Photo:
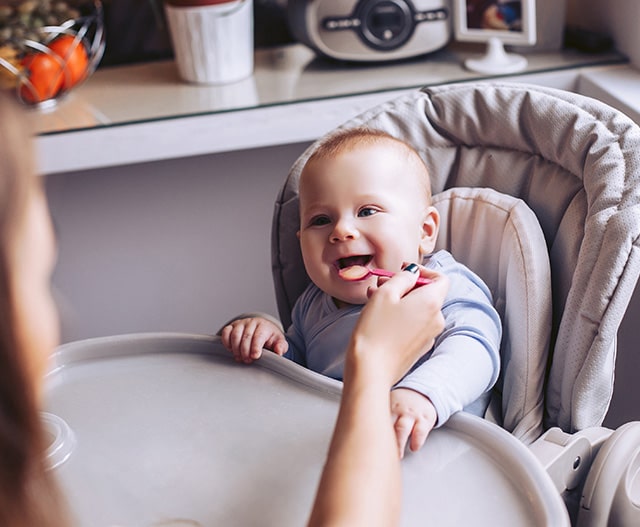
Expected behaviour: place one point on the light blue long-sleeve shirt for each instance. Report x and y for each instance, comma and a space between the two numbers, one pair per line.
456, 374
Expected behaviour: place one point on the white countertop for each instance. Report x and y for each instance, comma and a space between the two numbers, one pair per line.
144, 112
618, 86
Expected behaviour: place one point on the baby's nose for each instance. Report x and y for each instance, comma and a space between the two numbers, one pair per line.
344, 230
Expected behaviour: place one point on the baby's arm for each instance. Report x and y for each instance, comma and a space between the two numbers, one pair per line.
246, 338
413, 416
461, 370
465, 362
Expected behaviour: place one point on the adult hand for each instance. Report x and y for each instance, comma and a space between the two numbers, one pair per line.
361, 482
398, 323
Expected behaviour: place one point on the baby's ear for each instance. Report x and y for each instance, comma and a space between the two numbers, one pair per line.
298, 234
430, 227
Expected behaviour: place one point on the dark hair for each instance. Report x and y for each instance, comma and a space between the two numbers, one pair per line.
28, 493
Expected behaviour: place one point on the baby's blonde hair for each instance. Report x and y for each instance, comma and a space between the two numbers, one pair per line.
342, 140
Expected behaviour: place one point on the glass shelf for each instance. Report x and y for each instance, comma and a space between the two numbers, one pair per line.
148, 92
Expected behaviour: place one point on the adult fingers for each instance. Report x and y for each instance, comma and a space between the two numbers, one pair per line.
400, 283
402, 318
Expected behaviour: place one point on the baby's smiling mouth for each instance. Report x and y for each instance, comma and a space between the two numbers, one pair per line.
362, 259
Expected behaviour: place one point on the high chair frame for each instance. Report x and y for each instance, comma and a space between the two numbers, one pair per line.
574, 163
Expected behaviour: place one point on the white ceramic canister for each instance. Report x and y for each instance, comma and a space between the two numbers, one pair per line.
212, 39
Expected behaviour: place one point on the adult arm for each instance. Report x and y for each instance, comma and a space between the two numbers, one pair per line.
361, 481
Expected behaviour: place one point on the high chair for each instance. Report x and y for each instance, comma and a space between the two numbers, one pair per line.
540, 194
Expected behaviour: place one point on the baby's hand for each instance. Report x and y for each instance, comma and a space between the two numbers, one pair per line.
246, 337
413, 416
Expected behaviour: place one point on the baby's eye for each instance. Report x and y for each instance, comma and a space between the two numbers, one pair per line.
367, 211
319, 221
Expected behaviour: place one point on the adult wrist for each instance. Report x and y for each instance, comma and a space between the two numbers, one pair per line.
363, 361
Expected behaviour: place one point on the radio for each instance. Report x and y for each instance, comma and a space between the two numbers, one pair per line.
371, 30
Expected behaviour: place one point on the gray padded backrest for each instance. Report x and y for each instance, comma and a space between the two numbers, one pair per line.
576, 163
499, 238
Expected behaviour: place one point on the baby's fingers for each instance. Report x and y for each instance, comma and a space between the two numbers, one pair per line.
277, 343
237, 337
262, 336
250, 345
403, 427
231, 336
419, 435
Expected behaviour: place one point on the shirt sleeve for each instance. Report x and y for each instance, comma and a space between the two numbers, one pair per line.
464, 363
294, 335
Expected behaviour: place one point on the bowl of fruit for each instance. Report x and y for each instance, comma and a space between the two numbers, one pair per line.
48, 47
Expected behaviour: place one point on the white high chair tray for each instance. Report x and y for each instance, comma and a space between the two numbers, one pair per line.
167, 430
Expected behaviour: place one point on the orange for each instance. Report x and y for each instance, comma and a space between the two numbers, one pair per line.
74, 54
45, 73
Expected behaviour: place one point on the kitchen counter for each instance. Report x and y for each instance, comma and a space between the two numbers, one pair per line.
144, 112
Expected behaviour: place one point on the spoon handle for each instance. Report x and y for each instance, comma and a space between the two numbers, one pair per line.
383, 272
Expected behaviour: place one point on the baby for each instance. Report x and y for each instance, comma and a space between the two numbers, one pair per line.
365, 200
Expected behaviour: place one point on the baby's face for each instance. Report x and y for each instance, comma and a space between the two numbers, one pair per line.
366, 206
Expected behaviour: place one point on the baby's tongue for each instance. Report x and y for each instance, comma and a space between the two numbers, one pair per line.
353, 272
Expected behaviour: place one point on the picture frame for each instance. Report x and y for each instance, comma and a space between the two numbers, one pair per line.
498, 23
480, 20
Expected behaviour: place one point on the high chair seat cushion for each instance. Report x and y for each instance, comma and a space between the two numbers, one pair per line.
576, 163
499, 238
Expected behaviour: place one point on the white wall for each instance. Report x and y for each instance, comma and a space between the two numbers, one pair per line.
179, 245
618, 18
623, 21
625, 405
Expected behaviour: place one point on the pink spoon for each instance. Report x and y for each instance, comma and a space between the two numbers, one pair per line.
353, 273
